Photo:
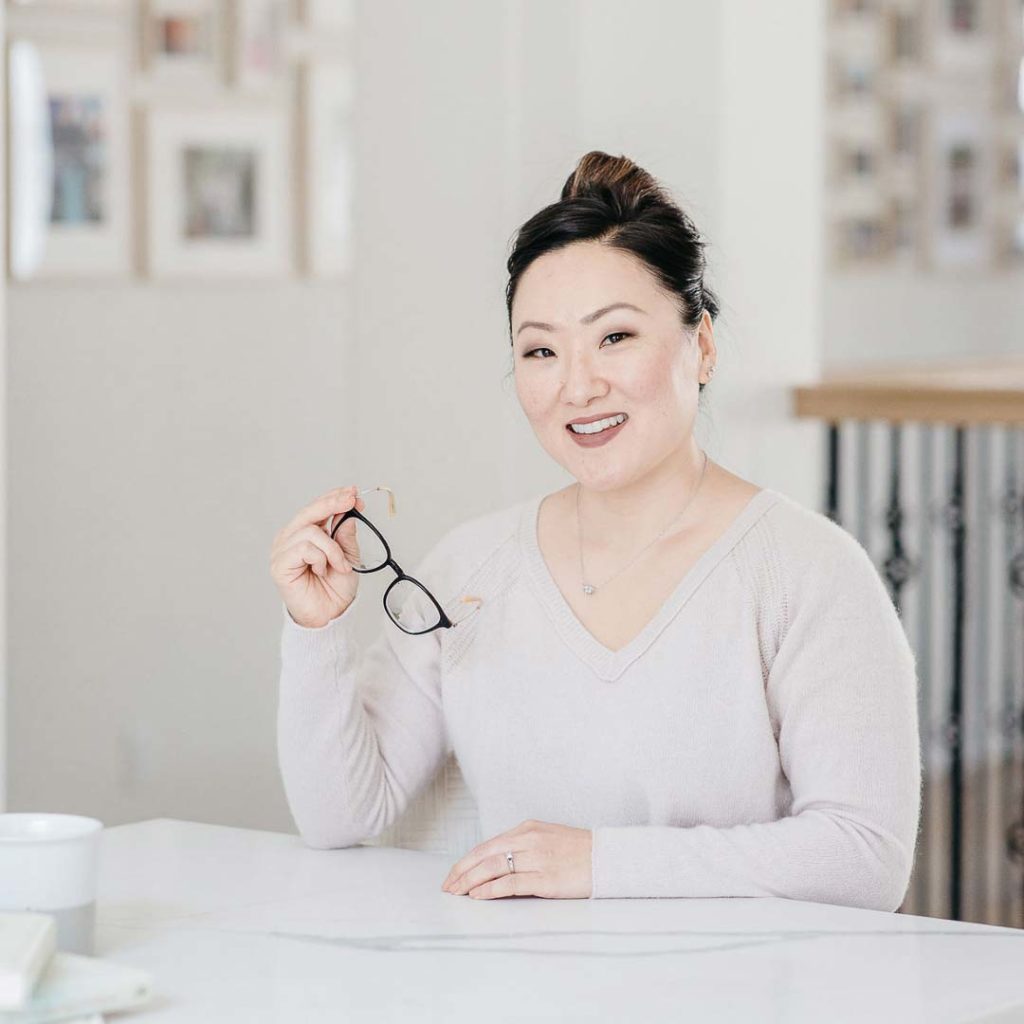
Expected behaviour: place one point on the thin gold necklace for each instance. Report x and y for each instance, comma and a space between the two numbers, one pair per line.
591, 588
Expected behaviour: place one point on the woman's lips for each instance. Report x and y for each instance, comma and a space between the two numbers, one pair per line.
596, 440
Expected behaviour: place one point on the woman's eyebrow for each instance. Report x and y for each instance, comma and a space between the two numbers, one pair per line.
588, 319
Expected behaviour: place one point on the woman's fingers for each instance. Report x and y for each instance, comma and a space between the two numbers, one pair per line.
317, 514
313, 556
331, 549
313, 548
341, 499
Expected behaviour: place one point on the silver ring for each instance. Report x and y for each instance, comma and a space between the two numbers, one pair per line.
511, 862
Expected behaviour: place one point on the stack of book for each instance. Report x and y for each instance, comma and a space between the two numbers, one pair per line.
38, 984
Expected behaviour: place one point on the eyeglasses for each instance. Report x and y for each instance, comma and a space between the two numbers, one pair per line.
409, 604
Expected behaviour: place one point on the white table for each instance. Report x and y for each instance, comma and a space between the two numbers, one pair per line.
242, 925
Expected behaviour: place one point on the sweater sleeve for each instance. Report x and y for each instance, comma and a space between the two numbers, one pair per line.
359, 734
842, 695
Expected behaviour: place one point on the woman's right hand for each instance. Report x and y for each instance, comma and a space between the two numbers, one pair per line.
314, 573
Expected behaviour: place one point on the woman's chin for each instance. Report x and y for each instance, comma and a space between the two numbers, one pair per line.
599, 478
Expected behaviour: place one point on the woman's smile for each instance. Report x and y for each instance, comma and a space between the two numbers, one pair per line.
605, 432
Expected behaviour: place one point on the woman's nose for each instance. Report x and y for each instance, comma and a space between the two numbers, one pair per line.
582, 382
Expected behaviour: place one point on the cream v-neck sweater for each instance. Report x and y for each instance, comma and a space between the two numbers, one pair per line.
758, 737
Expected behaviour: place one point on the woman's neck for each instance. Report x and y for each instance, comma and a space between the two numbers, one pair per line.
638, 512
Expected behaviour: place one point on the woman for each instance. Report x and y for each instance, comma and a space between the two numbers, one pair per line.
676, 683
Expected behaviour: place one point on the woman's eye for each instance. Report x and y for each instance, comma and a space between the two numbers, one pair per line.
618, 334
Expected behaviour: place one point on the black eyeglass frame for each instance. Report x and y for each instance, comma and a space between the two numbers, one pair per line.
400, 574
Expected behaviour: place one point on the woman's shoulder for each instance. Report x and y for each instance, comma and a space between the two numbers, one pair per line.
801, 529
476, 543
479, 535
812, 551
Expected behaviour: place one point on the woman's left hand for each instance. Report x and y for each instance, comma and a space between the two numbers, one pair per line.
550, 860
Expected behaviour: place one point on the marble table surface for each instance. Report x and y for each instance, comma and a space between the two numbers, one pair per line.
244, 925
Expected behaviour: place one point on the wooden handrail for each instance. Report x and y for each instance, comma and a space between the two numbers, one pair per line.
962, 392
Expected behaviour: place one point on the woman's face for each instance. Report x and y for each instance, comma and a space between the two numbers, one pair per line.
642, 362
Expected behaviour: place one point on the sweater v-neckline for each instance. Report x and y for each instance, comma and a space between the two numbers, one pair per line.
606, 663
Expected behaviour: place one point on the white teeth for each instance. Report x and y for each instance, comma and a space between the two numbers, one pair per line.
597, 426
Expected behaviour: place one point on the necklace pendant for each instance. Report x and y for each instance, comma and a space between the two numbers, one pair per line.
588, 589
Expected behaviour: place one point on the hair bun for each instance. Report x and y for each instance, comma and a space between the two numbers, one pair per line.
600, 174
610, 200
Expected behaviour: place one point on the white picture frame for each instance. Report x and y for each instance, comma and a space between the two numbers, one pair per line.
962, 33
328, 108
218, 196
80, 142
182, 43
962, 178
259, 44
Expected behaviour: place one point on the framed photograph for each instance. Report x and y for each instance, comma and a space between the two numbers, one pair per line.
259, 43
962, 35
960, 215
69, 182
905, 42
182, 42
860, 239
328, 107
218, 192
852, 78
861, 161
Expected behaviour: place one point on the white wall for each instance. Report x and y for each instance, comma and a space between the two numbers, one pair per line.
910, 316
160, 436
769, 238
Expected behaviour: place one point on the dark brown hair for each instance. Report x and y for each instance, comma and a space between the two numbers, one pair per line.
612, 200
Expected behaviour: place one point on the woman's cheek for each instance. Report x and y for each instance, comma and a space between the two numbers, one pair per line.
530, 398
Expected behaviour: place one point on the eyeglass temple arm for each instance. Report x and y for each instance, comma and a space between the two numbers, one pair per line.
468, 598
392, 511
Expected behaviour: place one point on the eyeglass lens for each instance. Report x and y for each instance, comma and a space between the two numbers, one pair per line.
405, 601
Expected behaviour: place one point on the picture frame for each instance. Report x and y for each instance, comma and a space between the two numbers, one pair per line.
905, 39
327, 100
858, 239
959, 207
182, 43
962, 37
218, 195
258, 38
853, 78
70, 186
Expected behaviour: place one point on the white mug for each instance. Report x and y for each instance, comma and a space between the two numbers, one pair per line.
49, 863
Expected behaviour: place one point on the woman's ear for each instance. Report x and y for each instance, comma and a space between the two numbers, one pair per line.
706, 339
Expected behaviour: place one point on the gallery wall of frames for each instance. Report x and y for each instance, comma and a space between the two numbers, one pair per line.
201, 139
925, 122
